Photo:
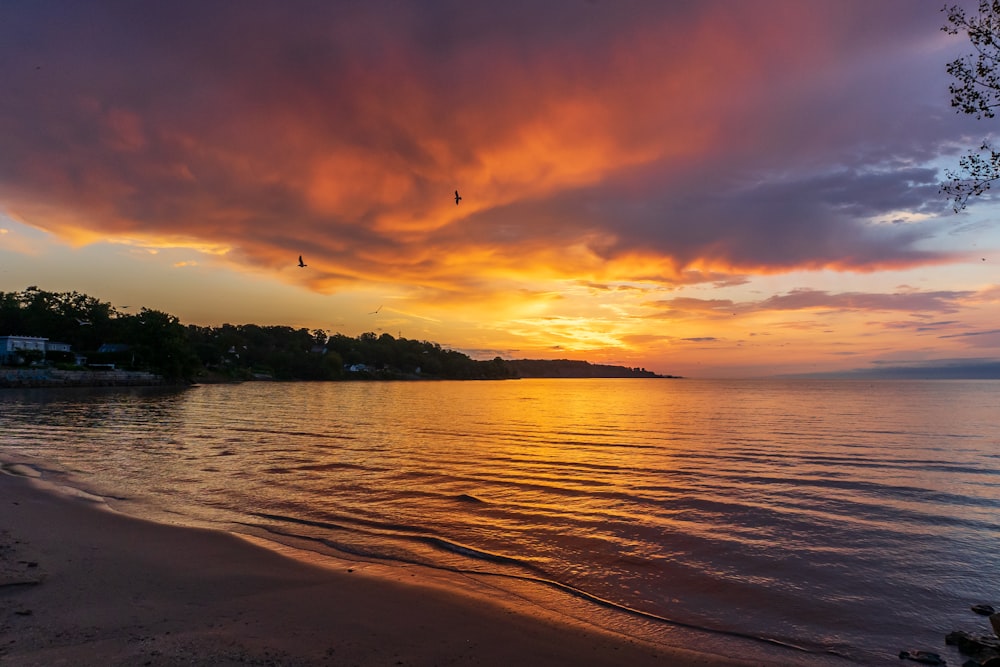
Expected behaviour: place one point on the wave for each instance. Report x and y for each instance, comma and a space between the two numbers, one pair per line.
400, 532
349, 523
544, 581
256, 431
20, 470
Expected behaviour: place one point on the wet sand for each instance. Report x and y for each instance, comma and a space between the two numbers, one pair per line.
83, 585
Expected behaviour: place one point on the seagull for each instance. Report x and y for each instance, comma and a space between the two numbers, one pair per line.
302, 264
458, 197
84, 323
375, 312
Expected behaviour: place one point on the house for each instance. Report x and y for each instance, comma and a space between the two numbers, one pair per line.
53, 346
11, 347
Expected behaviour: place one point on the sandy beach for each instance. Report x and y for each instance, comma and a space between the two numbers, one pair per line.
83, 585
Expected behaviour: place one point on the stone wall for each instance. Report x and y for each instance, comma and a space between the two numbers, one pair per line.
47, 377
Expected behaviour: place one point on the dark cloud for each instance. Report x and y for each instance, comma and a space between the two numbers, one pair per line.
673, 142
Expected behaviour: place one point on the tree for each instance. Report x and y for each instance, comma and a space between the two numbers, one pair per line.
976, 92
157, 341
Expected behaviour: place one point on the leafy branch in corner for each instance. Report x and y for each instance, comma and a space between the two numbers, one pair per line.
975, 92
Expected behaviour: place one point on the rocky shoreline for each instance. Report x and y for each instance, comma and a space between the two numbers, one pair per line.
981, 650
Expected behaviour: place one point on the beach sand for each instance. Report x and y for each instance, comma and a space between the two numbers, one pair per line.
83, 585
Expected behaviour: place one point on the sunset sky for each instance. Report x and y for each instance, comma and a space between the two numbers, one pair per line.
710, 189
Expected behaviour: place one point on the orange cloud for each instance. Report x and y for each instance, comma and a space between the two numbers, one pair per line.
354, 159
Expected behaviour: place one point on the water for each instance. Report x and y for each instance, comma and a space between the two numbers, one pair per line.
800, 522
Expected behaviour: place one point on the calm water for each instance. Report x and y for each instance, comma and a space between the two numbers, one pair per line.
804, 522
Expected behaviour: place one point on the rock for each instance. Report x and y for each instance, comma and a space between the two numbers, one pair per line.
981, 648
923, 657
991, 662
983, 609
995, 622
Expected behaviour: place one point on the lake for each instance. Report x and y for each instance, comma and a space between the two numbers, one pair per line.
798, 521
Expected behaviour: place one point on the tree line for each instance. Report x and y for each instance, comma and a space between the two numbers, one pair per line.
155, 341
151, 340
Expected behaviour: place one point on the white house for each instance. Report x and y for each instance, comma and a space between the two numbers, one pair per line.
10, 346
52, 346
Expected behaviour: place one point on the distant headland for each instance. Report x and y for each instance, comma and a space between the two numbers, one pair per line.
568, 368
64, 333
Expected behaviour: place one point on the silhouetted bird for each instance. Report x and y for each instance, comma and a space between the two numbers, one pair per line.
302, 264
458, 197
375, 312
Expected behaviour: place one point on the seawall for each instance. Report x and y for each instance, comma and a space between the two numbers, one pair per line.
48, 377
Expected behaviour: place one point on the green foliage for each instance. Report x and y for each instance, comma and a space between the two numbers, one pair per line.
155, 341
148, 340
976, 92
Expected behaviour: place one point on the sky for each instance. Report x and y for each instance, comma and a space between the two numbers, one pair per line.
709, 189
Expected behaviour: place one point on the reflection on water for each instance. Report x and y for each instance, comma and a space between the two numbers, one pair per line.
850, 518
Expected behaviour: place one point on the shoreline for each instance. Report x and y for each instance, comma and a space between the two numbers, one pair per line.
82, 584
51, 378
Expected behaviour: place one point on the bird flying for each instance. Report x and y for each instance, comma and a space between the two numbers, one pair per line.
375, 312
302, 264
458, 198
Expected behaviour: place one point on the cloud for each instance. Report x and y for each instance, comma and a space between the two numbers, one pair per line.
934, 369
942, 301
990, 332
989, 338
679, 307
670, 144
931, 301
